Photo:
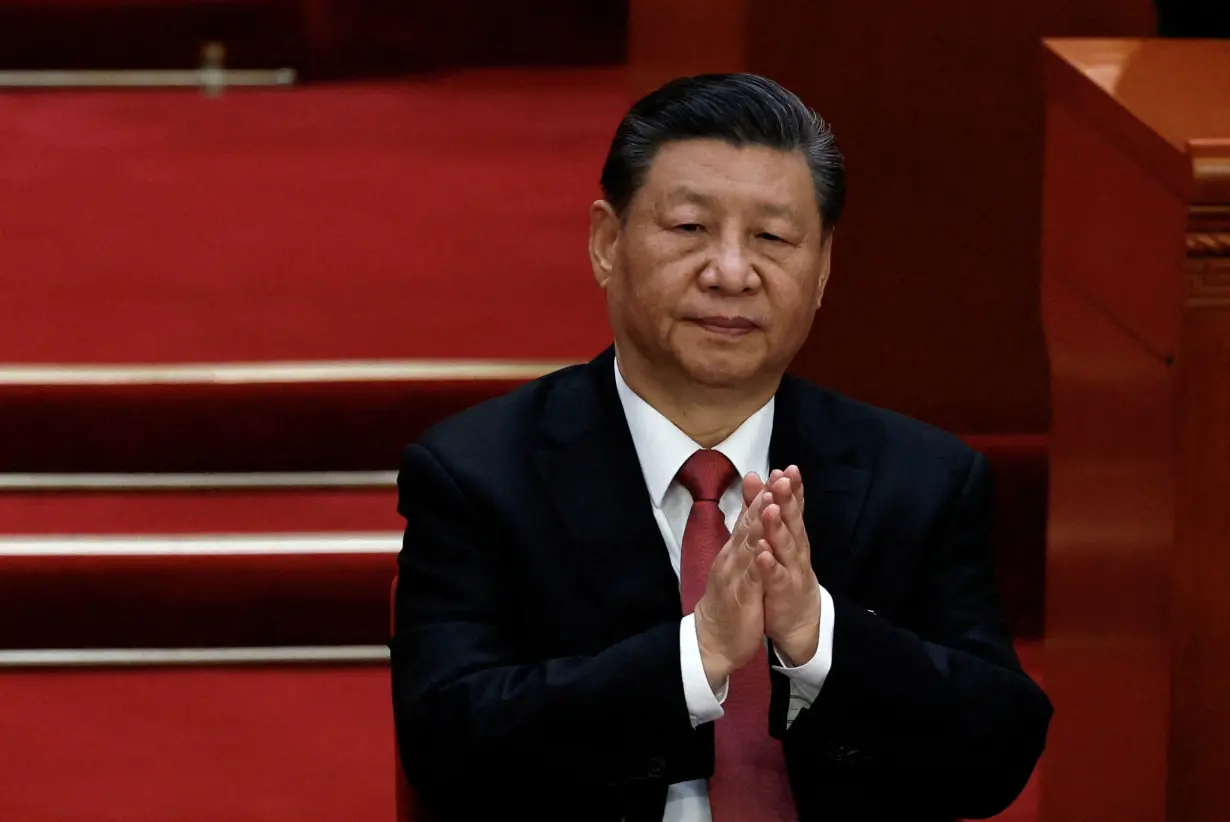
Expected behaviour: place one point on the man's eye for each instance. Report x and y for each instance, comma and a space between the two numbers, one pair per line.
690, 228
764, 235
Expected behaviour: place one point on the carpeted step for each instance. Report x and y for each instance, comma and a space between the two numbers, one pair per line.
289, 417
198, 745
440, 218
123, 592
182, 569
300, 743
372, 230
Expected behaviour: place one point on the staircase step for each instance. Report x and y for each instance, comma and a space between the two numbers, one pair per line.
185, 569
305, 566
190, 511
284, 290
234, 417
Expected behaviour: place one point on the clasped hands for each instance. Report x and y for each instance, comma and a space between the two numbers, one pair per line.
761, 583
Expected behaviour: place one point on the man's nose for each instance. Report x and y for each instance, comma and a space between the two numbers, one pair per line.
730, 269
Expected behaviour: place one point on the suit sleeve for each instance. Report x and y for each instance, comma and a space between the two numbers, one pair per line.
944, 708
470, 695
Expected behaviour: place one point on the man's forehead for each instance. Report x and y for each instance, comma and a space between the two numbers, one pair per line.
706, 152
771, 202
708, 173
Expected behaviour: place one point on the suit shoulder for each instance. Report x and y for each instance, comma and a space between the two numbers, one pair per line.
498, 427
891, 432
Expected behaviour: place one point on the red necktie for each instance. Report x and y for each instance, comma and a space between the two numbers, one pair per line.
749, 779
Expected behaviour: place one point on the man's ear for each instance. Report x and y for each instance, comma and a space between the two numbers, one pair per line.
826, 261
603, 240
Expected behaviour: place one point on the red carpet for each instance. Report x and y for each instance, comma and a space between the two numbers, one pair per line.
197, 595
202, 745
434, 218
197, 745
187, 512
263, 426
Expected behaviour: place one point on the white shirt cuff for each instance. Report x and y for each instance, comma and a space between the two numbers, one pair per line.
703, 705
807, 679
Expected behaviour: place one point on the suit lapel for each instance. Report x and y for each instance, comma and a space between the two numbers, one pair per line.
809, 433
589, 467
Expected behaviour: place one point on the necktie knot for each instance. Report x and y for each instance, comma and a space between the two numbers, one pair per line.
707, 474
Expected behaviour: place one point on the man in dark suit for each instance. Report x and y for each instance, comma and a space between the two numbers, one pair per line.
674, 584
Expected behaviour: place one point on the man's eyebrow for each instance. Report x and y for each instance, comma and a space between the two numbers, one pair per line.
686, 194
690, 195
778, 210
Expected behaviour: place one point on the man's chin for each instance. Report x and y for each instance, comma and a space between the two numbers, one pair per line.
725, 370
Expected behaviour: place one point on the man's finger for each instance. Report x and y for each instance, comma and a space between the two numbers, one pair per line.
796, 483
753, 530
778, 535
751, 583
783, 490
737, 553
789, 495
753, 509
752, 485
784, 493
773, 575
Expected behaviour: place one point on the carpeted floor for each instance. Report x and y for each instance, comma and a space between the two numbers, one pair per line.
440, 217
197, 745
205, 745
328, 222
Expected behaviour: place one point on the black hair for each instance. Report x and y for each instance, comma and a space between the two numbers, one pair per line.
740, 109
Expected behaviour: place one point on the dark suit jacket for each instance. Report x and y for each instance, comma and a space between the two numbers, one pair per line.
536, 657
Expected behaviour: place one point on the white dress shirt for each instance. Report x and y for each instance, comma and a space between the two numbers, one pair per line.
662, 449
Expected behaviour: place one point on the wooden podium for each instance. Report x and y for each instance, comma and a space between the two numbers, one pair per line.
1136, 312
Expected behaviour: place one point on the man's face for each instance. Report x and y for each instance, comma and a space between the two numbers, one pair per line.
720, 266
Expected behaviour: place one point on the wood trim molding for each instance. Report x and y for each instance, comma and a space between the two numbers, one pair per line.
1207, 263
1208, 283
1208, 244
235, 373
1210, 158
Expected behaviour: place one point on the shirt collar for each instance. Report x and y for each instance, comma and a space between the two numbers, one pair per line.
662, 448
